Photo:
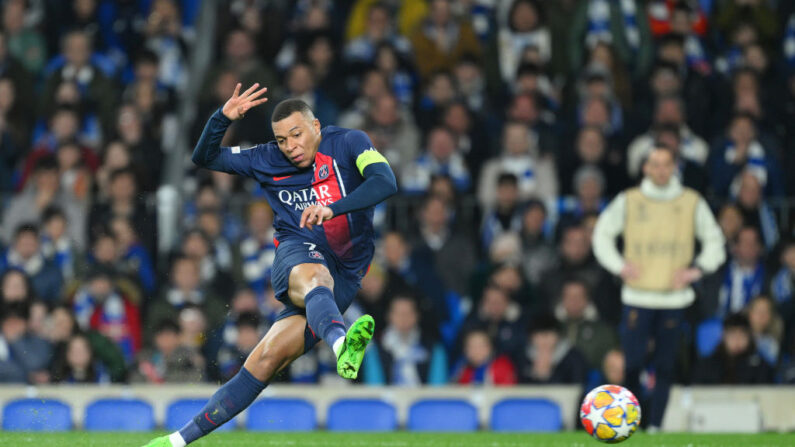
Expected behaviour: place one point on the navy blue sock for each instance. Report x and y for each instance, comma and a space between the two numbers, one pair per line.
323, 315
232, 398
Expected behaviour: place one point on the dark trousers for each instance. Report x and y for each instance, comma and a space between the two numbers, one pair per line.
638, 326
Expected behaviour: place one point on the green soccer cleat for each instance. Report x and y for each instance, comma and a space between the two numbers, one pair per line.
352, 352
159, 442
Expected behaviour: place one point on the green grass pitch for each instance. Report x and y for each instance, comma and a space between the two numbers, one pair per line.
397, 439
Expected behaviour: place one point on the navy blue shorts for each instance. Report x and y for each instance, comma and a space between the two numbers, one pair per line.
294, 251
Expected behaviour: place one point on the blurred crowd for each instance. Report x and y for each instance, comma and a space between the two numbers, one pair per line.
509, 124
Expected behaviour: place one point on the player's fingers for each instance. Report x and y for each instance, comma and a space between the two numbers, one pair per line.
258, 93
237, 90
258, 102
250, 89
304, 215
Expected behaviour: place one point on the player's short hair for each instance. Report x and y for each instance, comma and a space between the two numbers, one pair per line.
290, 106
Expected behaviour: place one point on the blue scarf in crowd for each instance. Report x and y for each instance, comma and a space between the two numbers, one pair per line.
599, 23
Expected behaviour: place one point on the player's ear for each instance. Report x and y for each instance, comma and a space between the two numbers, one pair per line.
316, 125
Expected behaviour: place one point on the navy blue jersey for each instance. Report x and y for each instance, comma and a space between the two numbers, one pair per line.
337, 170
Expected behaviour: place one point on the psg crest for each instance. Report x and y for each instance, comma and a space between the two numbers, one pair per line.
315, 254
322, 172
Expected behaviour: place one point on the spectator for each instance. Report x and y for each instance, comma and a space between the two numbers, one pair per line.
197, 246
24, 357
440, 40
538, 255
589, 198
440, 91
741, 150
736, 361
13, 132
669, 112
577, 261
44, 191
79, 365
393, 132
613, 366
407, 15
258, 249
99, 305
232, 356
15, 286
24, 42
619, 24
76, 66
766, 328
210, 223
55, 243
440, 158
186, 290
438, 249
758, 14
581, 325
25, 254
692, 175
409, 356
501, 318
525, 28
168, 361
505, 216
165, 36
742, 278
133, 259
62, 326
301, 84
398, 71
480, 366
116, 156
373, 84
782, 285
124, 201
534, 172
378, 30
590, 147
550, 358
471, 138
144, 148
755, 210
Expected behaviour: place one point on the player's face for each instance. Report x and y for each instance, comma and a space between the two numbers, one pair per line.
298, 138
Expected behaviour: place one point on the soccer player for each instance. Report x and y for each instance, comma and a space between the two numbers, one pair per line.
322, 185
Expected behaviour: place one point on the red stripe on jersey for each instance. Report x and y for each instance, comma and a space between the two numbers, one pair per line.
327, 189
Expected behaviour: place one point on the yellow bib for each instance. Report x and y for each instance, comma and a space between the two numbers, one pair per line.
659, 237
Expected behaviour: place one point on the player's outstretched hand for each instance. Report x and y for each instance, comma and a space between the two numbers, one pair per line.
315, 214
240, 103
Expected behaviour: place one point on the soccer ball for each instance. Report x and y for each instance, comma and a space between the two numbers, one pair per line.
610, 413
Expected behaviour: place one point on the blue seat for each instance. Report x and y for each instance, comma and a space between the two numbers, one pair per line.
526, 415
181, 411
37, 415
119, 415
708, 336
361, 415
281, 415
443, 415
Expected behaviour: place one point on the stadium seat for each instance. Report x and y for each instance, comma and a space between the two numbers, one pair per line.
361, 415
281, 415
442, 415
181, 411
119, 415
526, 415
37, 415
708, 336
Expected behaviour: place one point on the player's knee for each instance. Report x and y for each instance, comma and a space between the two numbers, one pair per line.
319, 276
